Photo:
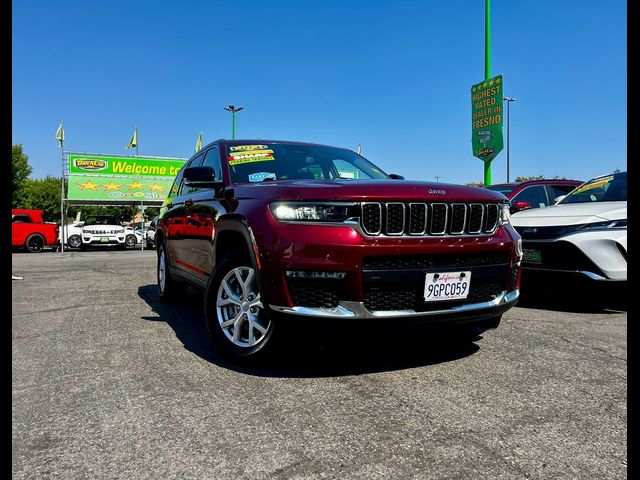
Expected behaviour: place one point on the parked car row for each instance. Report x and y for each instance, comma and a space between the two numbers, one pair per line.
273, 230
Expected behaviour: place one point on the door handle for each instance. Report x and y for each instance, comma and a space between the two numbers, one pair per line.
188, 202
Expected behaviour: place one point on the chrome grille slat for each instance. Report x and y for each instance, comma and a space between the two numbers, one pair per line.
415, 219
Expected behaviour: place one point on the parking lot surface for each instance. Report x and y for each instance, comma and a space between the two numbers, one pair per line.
108, 382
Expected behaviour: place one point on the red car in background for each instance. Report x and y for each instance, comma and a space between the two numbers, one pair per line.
534, 193
29, 231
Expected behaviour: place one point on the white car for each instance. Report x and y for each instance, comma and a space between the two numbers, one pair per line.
71, 234
103, 230
133, 237
584, 235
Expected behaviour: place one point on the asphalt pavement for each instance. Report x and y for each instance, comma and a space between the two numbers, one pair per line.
110, 383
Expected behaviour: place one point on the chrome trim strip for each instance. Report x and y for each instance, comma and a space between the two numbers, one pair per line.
358, 310
404, 217
446, 219
471, 205
591, 275
362, 217
464, 219
426, 213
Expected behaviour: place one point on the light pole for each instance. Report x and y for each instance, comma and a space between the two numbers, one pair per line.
508, 100
233, 109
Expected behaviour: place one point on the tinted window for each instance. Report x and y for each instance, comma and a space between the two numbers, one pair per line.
287, 161
196, 162
535, 195
611, 188
503, 189
557, 190
212, 159
101, 220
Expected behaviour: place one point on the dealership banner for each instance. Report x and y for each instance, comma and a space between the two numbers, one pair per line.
117, 180
486, 118
115, 165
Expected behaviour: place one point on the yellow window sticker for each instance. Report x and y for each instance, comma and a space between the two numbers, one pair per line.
599, 183
251, 157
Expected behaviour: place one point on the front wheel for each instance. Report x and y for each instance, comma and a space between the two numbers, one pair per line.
236, 318
74, 241
35, 243
130, 240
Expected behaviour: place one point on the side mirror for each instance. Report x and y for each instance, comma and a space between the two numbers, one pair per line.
521, 205
200, 177
559, 199
395, 176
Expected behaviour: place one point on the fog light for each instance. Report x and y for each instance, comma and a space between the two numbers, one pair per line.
315, 274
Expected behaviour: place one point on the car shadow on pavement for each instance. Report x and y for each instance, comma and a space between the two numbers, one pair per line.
312, 352
576, 298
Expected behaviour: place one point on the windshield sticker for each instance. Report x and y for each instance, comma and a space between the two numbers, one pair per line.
261, 176
600, 183
242, 148
250, 157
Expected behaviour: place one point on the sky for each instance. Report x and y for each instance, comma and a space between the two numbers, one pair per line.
395, 77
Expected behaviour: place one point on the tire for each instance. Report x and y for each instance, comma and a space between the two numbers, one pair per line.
238, 323
168, 288
35, 243
74, 241
130, 240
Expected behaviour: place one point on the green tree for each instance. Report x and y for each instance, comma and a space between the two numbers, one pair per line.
20, 171
474, 184
526, 179
41, 194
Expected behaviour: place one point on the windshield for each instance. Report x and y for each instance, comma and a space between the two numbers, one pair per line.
287, 161
503, 189
611, 188
106, 220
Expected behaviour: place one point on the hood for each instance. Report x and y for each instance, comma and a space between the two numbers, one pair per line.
364, 190
570, 214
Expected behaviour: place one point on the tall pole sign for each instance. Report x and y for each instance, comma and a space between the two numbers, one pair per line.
486, 108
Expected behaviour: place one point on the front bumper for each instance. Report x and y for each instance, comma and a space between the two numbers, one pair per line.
357, 310
98, 239
371, 283
598, 256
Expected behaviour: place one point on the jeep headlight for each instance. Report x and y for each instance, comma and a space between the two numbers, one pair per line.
313, 211
505, 214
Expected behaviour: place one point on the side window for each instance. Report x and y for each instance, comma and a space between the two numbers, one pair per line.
557, 190
196, 162
535, 195
176, 183
212, 159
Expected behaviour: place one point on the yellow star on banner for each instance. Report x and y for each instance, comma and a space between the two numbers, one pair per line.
136, 185
491, 82
155, 186
89, 185
112, 186
473, 89
498, 80
484, 84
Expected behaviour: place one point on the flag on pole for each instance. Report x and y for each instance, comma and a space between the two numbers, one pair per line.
60, 134
359, 149
134, 140
199, 143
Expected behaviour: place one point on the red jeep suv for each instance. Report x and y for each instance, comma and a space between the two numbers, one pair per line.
273, 230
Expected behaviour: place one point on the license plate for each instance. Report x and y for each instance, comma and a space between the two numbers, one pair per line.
104, 239
446, 286
529, 255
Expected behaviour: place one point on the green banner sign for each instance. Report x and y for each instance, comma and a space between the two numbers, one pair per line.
105, 189
115, 165
486, 118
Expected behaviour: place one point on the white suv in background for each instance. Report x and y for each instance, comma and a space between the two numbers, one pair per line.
103, 230
583, 236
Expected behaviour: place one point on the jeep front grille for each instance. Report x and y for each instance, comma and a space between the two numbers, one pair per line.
420, 219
